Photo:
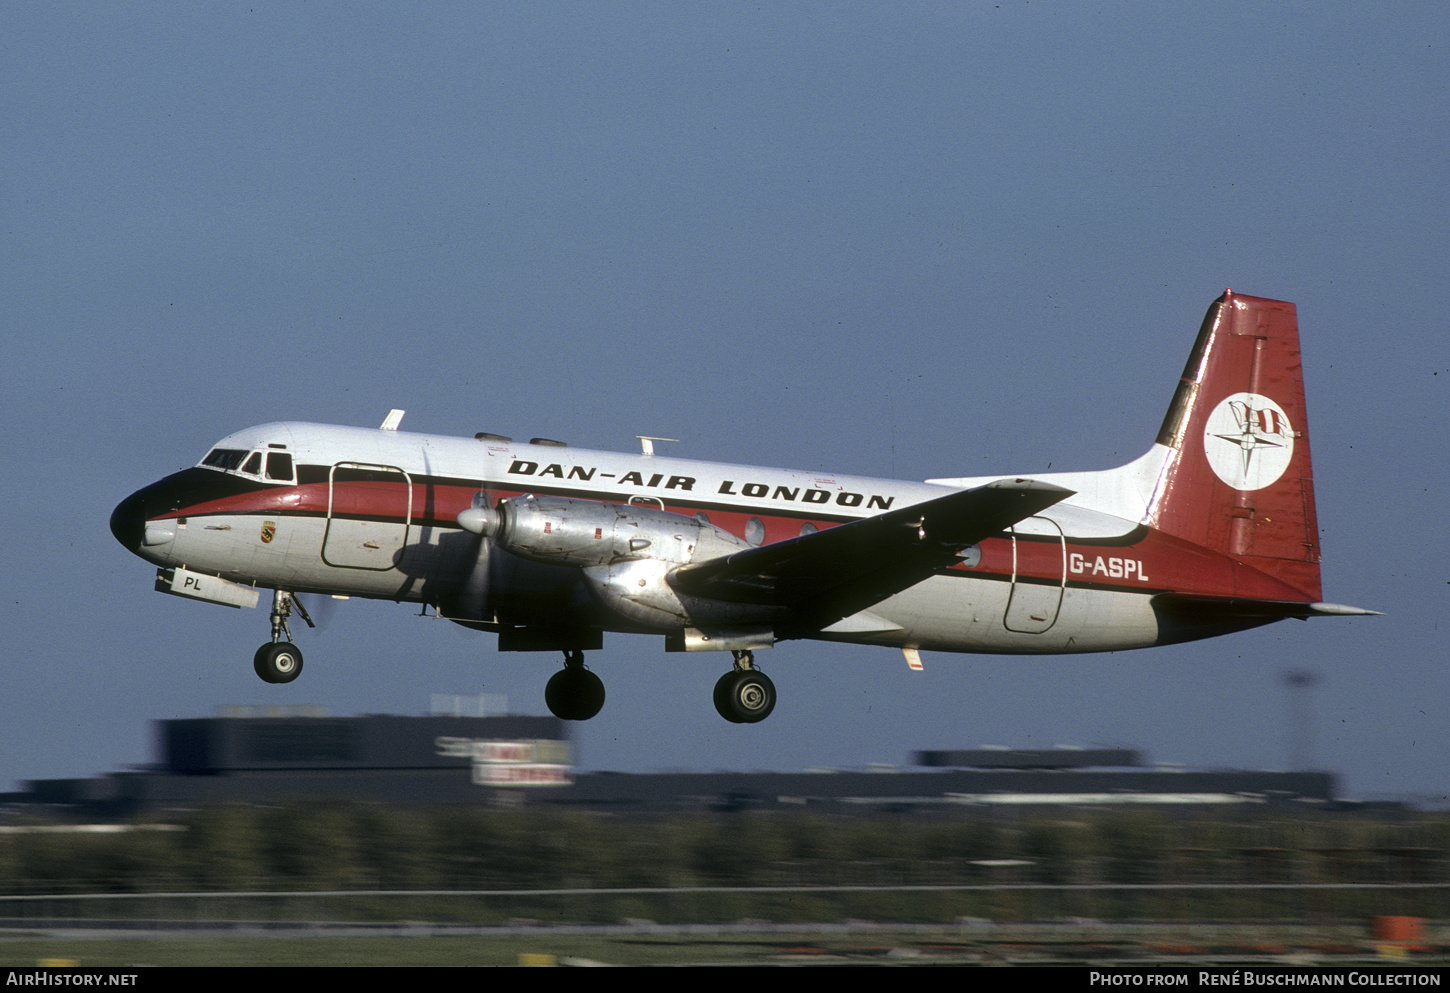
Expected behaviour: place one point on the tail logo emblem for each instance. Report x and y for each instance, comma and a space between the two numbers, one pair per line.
1248, 441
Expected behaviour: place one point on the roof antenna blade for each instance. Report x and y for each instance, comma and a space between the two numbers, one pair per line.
647, 443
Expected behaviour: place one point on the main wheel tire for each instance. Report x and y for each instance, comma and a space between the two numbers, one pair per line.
278, 662
591, 694
745, 696
574, 694
722, 696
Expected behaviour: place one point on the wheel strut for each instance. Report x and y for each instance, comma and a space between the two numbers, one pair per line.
281, 610
280, 661
283, 603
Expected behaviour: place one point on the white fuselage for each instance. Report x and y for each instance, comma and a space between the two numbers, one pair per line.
373, 513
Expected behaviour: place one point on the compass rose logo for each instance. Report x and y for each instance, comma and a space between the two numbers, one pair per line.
1248, 441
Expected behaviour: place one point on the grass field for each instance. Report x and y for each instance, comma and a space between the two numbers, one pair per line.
543, 949
746, 945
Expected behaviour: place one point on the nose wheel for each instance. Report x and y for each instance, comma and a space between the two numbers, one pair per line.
744, 695
574, 693
280, 661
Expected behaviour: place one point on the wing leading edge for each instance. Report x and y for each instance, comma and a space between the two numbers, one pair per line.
823, 577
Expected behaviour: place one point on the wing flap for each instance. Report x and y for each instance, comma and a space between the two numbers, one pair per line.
834, 573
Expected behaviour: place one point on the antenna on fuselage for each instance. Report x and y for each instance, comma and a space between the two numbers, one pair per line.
647, 443
394, 418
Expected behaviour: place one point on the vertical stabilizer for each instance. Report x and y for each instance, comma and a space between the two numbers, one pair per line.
1239, 480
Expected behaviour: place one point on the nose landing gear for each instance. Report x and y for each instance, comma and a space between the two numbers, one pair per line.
280, 661
744, 695
574, 693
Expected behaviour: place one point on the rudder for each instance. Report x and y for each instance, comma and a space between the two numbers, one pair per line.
1240, 480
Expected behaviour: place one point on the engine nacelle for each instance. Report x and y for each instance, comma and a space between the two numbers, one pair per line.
626, 553
563, 531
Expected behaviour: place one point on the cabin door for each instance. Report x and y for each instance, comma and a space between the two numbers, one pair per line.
369, 514
1039, 573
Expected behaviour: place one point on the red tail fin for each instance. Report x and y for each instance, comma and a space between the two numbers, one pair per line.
1240, 480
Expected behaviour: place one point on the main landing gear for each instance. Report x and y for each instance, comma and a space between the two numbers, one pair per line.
744, 695
574, 693
280, 661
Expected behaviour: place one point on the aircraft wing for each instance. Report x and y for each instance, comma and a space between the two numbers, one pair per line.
831, 574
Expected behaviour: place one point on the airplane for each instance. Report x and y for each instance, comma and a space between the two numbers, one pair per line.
1211, 531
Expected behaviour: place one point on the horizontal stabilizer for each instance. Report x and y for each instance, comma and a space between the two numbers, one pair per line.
831, 574
1219, 607
1340, 610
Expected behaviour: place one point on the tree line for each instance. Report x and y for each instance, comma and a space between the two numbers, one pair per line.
339, 847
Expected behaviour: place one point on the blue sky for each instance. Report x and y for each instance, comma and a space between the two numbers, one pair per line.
908, 240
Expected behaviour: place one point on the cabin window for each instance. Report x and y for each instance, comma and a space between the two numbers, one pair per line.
807, 528
224, 458
254, 464
755, 531
279, 466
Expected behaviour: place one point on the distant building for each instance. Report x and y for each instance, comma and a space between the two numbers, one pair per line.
266, 757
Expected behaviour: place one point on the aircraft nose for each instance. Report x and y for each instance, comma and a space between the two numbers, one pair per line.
128, 521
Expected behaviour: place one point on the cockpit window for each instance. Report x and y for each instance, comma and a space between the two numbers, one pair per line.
224, 458
279, 466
